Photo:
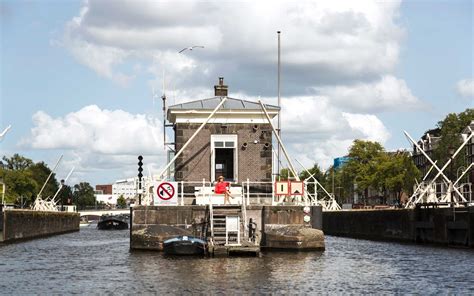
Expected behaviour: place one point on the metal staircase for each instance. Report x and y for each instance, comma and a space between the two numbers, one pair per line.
219, 219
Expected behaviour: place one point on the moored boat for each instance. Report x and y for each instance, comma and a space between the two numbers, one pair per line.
108, 222
184, 245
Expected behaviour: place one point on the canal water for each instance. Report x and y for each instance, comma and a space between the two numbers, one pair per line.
93, 261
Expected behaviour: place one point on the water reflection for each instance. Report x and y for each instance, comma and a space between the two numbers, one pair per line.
93, 261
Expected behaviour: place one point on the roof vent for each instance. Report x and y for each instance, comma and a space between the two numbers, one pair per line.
220, 90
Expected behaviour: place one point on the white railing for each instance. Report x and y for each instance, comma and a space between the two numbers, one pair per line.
255, 193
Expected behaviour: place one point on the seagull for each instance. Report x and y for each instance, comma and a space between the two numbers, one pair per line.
5, 131
191, 48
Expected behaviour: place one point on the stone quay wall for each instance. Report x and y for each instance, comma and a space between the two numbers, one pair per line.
443, 226
28, 224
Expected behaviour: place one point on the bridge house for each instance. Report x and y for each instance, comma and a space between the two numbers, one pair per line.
235, 143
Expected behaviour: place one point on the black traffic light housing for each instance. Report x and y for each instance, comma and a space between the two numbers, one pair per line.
140, 169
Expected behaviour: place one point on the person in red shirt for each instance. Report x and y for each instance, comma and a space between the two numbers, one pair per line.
221, 188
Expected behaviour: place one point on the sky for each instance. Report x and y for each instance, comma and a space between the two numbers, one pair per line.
79, 78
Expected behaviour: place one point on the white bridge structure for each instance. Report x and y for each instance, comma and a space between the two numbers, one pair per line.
50, 203
248, 192
103, 212
447, 192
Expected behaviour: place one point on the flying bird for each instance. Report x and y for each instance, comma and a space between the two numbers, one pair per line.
191, 48
5, 131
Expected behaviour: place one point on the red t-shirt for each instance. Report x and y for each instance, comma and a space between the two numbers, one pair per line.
220, 187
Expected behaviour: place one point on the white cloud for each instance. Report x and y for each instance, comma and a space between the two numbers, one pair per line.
387, 94
97, 140
316, 131
338, 60
325, 41
465, 88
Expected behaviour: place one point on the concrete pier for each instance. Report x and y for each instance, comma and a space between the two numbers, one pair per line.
27, 224
151, 225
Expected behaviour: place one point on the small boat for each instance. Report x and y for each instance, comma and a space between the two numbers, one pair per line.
109, 222
184, 245
84, 221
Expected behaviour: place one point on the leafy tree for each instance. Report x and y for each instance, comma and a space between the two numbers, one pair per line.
16, 162
362, 166
40, 172
450, 128
396, 173
65, 196
121, 202
19, 184
84, 195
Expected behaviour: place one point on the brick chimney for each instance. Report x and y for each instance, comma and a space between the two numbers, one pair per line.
221, 89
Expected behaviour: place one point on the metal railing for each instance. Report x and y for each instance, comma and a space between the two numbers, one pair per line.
256, 193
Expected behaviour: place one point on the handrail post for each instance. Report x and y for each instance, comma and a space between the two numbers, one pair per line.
182, 193
248, 192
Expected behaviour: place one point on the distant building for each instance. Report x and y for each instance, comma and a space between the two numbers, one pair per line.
429, 142
126, 187
105, 189
469, 149
341, 161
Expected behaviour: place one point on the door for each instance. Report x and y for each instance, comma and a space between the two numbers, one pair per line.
224, 157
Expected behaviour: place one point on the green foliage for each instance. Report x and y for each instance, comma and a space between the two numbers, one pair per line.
24, 178
121, 202
65, 196
84, 195
365, 158
18, 183
450, 128
15, 163
371, 167
39, 173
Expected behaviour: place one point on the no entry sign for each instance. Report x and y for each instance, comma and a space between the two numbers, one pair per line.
165, 193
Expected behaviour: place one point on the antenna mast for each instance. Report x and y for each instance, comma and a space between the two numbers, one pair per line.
279, 111
163, 97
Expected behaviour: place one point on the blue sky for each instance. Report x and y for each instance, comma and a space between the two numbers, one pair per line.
76, 77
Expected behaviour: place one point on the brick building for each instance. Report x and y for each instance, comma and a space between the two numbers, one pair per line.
429, 141
235, 143
470, 150
104, 189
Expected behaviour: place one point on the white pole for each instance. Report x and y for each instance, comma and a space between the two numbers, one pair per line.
248, 192
192, 137
293, 171
50, 174
440, 171
279, 105
61, 186
182, 193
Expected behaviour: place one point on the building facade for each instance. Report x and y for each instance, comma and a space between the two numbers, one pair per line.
428, 142
236, 142
104, 189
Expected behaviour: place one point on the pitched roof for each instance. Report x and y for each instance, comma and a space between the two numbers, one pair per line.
229, 104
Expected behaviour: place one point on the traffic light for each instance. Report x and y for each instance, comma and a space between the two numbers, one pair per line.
140, 169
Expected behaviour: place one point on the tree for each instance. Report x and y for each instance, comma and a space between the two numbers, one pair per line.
396, 173
121, 202
65, 196
84, 195
362, 166
40, 172
450, 128
16, 162
19, 185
